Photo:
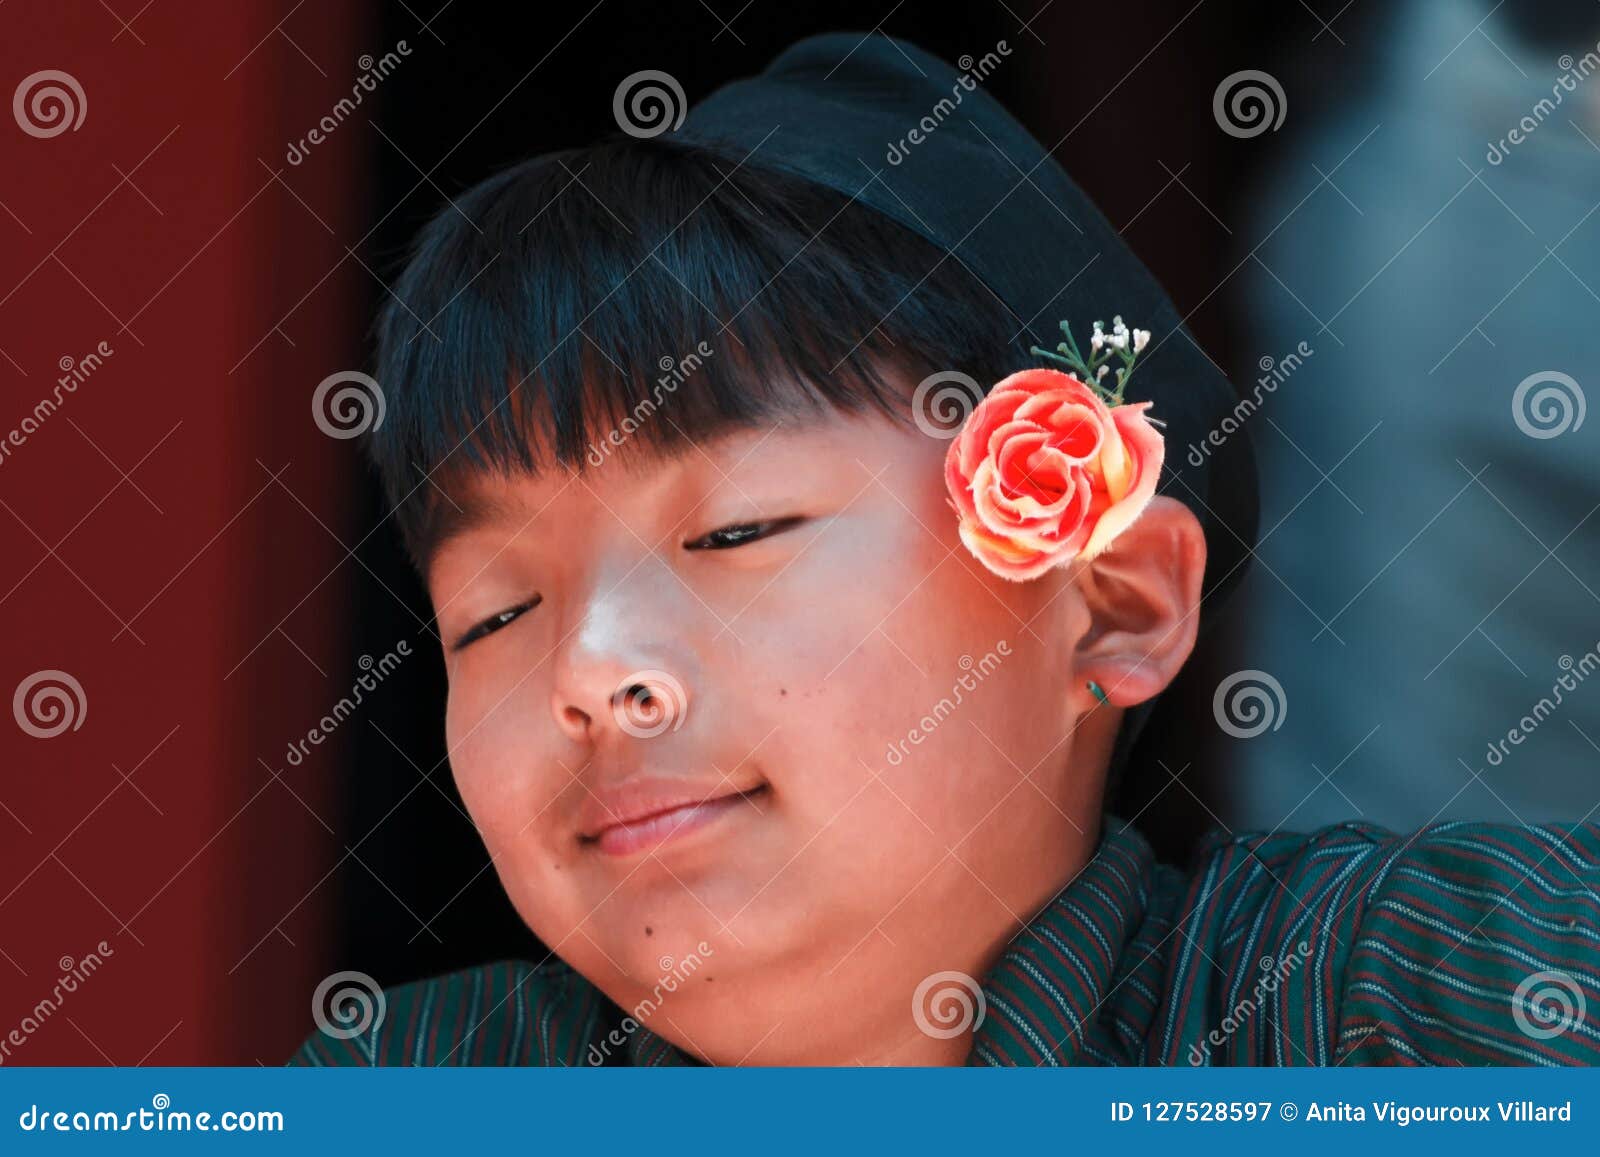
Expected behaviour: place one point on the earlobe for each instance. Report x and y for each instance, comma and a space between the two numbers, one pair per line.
1143, 600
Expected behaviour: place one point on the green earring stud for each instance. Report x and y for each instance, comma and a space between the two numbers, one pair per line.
1097, 692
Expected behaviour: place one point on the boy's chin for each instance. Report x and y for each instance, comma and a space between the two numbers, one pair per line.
682, 957
651, 926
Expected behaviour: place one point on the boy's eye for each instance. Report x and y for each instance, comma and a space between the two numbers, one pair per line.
739, 533
494, 622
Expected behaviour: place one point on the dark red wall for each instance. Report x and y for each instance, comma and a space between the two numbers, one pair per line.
153, 544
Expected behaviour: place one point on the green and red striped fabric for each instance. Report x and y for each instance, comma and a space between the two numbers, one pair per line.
1466, 943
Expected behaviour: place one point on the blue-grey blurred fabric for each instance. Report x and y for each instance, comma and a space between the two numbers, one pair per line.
1427, 567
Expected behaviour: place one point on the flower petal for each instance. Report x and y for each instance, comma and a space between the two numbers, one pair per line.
1144, 450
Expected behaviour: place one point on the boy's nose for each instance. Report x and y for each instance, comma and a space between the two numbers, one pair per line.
643, 704
624, 669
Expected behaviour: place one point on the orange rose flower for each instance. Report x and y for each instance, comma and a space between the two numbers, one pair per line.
1043, 472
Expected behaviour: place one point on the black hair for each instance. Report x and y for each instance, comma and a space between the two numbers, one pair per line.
550, 302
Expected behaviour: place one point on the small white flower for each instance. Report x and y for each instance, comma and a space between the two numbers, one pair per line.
1118, 341
1098, 340
1101, 373
1141, 338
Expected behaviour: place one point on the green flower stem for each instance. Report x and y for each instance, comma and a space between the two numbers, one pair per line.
1088, 370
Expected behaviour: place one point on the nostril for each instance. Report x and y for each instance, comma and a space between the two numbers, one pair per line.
649, 703
636, 704
575, 718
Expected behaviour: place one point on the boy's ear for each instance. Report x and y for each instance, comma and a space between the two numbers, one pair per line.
1143, 599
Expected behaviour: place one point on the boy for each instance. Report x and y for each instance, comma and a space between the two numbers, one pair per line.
779, 768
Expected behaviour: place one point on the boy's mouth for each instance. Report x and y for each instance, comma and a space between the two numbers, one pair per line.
643, 814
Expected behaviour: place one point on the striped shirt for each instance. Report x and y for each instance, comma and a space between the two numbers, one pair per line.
1466, 943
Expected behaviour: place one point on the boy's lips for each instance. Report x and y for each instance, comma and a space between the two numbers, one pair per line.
640, 814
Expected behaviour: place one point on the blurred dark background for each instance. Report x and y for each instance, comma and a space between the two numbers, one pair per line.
223, 592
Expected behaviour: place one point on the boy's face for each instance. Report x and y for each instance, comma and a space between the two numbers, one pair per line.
881, 731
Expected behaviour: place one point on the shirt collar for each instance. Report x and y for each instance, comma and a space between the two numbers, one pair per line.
1042, 1001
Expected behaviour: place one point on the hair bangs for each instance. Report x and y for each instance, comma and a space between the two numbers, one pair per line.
645, 296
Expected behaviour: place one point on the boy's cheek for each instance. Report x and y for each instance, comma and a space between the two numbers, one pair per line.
500, 768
